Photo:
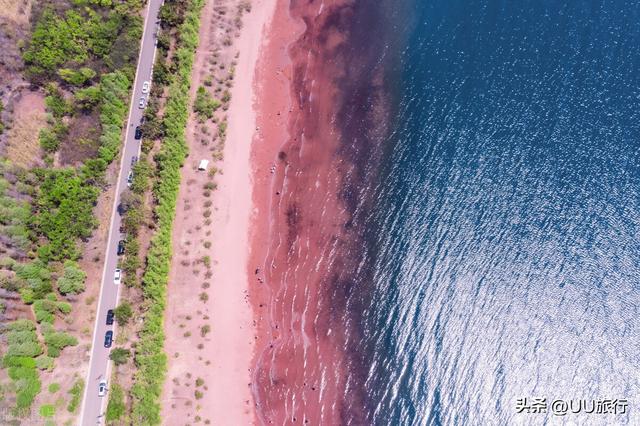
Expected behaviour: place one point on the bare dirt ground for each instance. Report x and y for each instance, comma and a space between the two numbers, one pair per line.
14, 25
209, 321
29, 116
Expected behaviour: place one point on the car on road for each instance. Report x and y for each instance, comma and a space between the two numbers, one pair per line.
120, 247
117, 276
102, 388
110, 317
130, 179
142, 102
108, 339
145, 87
134, 160
138, 133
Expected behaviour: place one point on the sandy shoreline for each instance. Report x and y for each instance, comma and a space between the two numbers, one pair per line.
222, 357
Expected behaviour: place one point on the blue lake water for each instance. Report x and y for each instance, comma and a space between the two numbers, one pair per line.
507, 228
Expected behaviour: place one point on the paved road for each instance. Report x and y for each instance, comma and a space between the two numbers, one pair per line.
93, 406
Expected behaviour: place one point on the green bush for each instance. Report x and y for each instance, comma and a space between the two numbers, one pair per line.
28, 349
123, 313
72, 281
56, 103
54, 387
116, 407
49, 141
44, 362
47, 410
21, 325
76, 77
204, 104
76, 395
142, 173
150, 357
89, 97
22, 336
119, 356
22, 372
64, 307
57, 341
63, 213
45, 310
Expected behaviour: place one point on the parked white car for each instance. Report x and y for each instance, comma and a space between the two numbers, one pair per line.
142, 103
102, 388
117, 276
145, 87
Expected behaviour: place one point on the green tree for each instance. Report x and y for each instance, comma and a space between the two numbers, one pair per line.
120, 356
123, 313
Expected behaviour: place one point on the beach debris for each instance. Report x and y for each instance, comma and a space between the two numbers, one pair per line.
203, 165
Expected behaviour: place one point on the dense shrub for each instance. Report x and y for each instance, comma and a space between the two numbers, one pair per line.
150, 357
49, 142
120, 356
123, 313
47, 410
88, 98
45, 310
115, 407
14, 218
45, 362
23, 347
76, 77
56, 103
71, 37
63, 213
70, 43
27, 384
72, 281
204, 105
76, 395
56, 341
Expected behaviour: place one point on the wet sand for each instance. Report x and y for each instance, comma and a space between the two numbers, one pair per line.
300, 223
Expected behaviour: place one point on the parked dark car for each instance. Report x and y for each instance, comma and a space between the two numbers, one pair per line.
134, 160
122, 229
138, 134
121, 209
108, 339
110, 317
120, 247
